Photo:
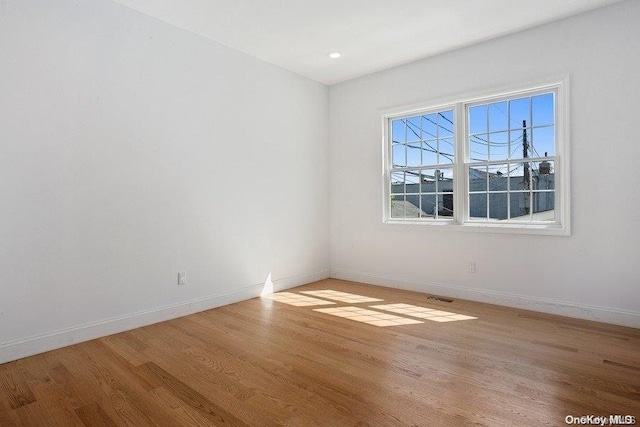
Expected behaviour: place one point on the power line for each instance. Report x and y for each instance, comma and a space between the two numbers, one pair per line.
487, 142
430, 149
422, 130
446, 118
449, 156
438, 124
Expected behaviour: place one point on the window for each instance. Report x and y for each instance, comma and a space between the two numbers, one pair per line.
497, 163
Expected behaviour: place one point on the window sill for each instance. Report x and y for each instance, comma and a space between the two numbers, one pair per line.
477, 227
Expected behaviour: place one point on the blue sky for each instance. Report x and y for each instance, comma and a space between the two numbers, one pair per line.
495, 133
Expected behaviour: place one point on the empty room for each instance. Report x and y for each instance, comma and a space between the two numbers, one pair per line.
299, 213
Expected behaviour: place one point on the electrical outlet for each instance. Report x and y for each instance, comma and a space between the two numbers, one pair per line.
182, 278
472, 267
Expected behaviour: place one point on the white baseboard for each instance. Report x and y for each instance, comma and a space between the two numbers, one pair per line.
18, 349
562, 308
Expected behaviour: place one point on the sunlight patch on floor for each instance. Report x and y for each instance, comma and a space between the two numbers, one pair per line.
296, 299
367, 316
423, 312
341, 296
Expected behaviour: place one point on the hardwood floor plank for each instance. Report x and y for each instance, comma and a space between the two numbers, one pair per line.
273, 391
623, 365
135, 402
337, 381
266, 363
8, 416
14, 387
130, 349
205, 378
260, 370
235, 398
32, 371
92, 415
31, 415
99, 380
178, 411
213, 412
58, 410
68, 385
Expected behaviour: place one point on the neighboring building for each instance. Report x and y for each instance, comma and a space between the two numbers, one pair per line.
424, 198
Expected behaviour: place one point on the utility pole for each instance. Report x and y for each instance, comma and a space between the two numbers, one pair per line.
527, 172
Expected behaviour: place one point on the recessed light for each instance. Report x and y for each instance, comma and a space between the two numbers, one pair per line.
334, 55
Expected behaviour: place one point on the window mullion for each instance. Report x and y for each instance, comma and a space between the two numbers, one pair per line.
460, 182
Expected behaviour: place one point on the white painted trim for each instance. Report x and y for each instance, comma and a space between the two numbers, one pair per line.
563, 308
18, 349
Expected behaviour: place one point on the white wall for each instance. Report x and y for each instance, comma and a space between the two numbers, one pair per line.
591, 274
131, 150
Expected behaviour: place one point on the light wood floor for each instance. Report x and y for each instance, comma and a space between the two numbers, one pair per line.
264, 362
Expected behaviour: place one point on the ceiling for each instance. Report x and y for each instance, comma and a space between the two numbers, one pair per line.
371, 35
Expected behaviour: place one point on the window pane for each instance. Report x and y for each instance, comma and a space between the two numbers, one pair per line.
446, 153
445, 204
397, 182
412, 182
498, 120
412, 206
516, 176
520, 206
543, 141
520, 177
499, 146
544, 175
446, 180
397, 206
543, 111
479, 148
498, 177
445, 124
517, 143
413, 129
398, 131
413, 154
430, 152
543, 206
519, 111
428, 180
429, 205
430, 126
478, 119
498, 205
478, 178
478, 206
398, 155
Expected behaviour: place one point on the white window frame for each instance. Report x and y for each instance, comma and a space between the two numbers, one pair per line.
461, 220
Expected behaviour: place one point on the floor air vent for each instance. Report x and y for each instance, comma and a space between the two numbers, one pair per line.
438, 298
